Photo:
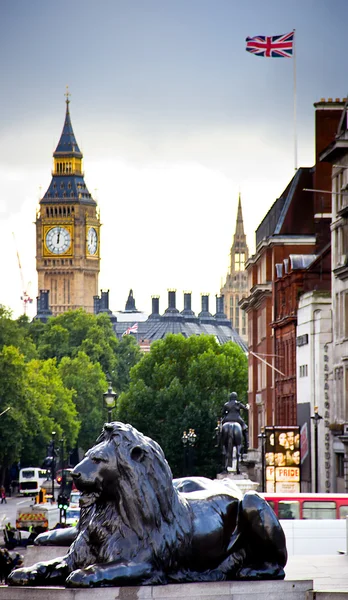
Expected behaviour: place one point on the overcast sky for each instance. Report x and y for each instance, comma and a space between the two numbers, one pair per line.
173, 117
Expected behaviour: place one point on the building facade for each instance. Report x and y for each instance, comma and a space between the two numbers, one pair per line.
68, 231
336, 154
236, 284
314, 366
297, 224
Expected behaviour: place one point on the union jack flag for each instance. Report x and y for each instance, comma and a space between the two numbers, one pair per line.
275, 46
132, 329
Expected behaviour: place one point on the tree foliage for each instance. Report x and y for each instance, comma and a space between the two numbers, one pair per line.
39, 403
53, 375
15, 333
88, 383
181, 384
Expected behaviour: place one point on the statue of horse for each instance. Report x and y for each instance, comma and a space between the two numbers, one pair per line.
231, 437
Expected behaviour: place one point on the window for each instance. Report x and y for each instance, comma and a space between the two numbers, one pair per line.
343, 512
263, 376
319, 510
250, 378
303, 370
288, 509
259, 377
340, 464
54, 289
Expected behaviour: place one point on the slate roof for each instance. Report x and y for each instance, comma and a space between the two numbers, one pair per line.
67, 188
186, 323
67, 145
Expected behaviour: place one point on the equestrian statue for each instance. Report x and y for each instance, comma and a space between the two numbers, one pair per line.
232, 432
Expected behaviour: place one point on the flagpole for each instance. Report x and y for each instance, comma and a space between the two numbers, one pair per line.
295, 92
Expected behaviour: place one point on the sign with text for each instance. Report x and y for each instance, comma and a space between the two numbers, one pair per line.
283, 459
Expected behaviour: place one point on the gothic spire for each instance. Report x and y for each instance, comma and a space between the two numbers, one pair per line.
239, 233
67, 145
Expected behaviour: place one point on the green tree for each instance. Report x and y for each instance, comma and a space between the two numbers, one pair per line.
75, 331
54, 406
183, 383
39, 405
16, 333
128, 355
14, 423
88, 383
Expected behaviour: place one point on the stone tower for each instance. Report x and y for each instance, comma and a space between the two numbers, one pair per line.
236, 285
67, 231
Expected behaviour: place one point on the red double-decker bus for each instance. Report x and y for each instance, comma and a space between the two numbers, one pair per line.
308, 506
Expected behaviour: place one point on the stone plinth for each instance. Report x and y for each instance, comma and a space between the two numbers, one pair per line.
227, 590
241, 481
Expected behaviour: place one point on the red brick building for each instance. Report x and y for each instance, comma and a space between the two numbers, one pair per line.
297, 274
297, 224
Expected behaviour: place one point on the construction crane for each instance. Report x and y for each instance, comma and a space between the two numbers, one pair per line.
25, 297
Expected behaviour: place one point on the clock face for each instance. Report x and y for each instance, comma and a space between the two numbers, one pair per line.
92, 241
58, 240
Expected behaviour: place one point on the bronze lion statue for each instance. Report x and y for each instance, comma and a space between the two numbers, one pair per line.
138, 528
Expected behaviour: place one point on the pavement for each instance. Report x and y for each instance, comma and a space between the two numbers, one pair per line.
328, 572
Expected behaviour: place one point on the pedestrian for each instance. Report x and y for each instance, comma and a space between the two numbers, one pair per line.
3, 495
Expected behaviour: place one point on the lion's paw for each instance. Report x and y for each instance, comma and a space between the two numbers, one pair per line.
82, 578
22, 577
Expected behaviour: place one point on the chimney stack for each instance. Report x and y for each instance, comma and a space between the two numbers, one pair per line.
155, 307
43, 307
188, 312
205, 315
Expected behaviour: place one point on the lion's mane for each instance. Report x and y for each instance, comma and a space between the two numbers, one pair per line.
148, 510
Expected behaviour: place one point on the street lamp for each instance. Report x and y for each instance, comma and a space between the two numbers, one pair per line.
316, 419
110, 400
62, 465
262, 437
53, 465
191, 437
184, 440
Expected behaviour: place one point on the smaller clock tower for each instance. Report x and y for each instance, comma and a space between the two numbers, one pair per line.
67, 231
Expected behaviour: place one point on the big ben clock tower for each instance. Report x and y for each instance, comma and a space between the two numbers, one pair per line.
67, 231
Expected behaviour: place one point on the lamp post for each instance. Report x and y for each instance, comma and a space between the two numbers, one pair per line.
184, 440
62, 492
262, 437
53, 465
62, 464
109, 400
316, 419
191, 444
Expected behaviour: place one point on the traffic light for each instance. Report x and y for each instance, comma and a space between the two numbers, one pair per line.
63, 501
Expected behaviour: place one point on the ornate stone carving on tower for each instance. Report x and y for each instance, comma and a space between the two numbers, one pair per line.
236, 285
67, 231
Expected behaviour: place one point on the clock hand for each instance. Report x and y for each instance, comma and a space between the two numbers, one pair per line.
58, 234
